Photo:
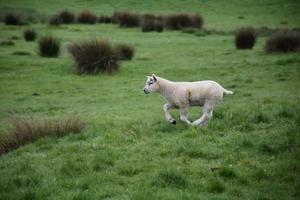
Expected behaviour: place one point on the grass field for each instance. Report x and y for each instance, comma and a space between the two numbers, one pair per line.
250, 149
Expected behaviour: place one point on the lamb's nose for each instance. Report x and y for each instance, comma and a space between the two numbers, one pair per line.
145, 91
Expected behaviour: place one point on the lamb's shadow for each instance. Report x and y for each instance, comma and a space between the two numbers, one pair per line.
165, 127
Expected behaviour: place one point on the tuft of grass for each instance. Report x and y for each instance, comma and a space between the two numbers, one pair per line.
215, 186
245, 38
86, 17
283, 41
170, 178
150, 22
29, 35
183, 20
127, 19
105, 19
124, 51
26, 131
12, 19
49, 46
92, 57
66, 16
55, 20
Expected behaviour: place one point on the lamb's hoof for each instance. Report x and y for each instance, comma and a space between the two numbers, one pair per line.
173, 122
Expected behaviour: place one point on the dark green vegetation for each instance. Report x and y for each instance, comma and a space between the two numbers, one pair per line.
12, 19
29, 35
245, 38
49, 46
250, 150
87, 17
283, 41
67, 17
127, 19
184, 20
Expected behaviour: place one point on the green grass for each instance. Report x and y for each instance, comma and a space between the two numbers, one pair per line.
249, 150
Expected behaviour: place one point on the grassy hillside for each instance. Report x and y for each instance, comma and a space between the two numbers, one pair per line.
218, 14
249, 150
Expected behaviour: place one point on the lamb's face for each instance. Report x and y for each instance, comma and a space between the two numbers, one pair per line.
151, 84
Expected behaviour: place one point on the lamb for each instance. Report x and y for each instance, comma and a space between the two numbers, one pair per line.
182, 95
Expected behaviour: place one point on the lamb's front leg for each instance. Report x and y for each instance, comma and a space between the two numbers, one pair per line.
167, 107
184, 115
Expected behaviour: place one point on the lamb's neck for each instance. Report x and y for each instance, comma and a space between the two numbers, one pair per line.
166, 87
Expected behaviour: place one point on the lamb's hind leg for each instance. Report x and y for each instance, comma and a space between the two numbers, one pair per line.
184, 115
207, 114
167, 107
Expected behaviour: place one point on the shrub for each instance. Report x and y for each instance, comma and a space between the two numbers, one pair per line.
66, 17
115, 17
94, 56
55, 20
26, 131
49, 46
245, 38
197, 21
183, 20
12, 19
151, 22
148, 22
159, 26
124, 51
283, 41
127, 19
29, 35
105, 19
86, 17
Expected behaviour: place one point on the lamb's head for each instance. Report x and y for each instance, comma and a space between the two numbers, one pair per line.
151, 84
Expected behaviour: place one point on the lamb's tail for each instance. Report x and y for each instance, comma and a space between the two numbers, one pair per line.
227, 92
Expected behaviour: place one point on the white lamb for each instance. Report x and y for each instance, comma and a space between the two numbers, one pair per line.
182, 95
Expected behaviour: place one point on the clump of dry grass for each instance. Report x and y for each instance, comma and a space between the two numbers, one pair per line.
86, 17
183, 20
67, 17
49, 46
94, 56
12, 19
150, 22
124, 51
26, 131
29, 35
127, 19
245, 38
283, 41
105, 19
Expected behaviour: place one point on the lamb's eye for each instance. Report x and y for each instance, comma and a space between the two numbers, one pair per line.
150, 83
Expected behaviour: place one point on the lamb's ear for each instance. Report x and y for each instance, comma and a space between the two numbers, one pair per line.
154, 77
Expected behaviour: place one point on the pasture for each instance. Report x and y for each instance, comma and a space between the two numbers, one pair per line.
249, 150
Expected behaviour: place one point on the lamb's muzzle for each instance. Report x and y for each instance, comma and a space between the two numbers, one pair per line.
182, 95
